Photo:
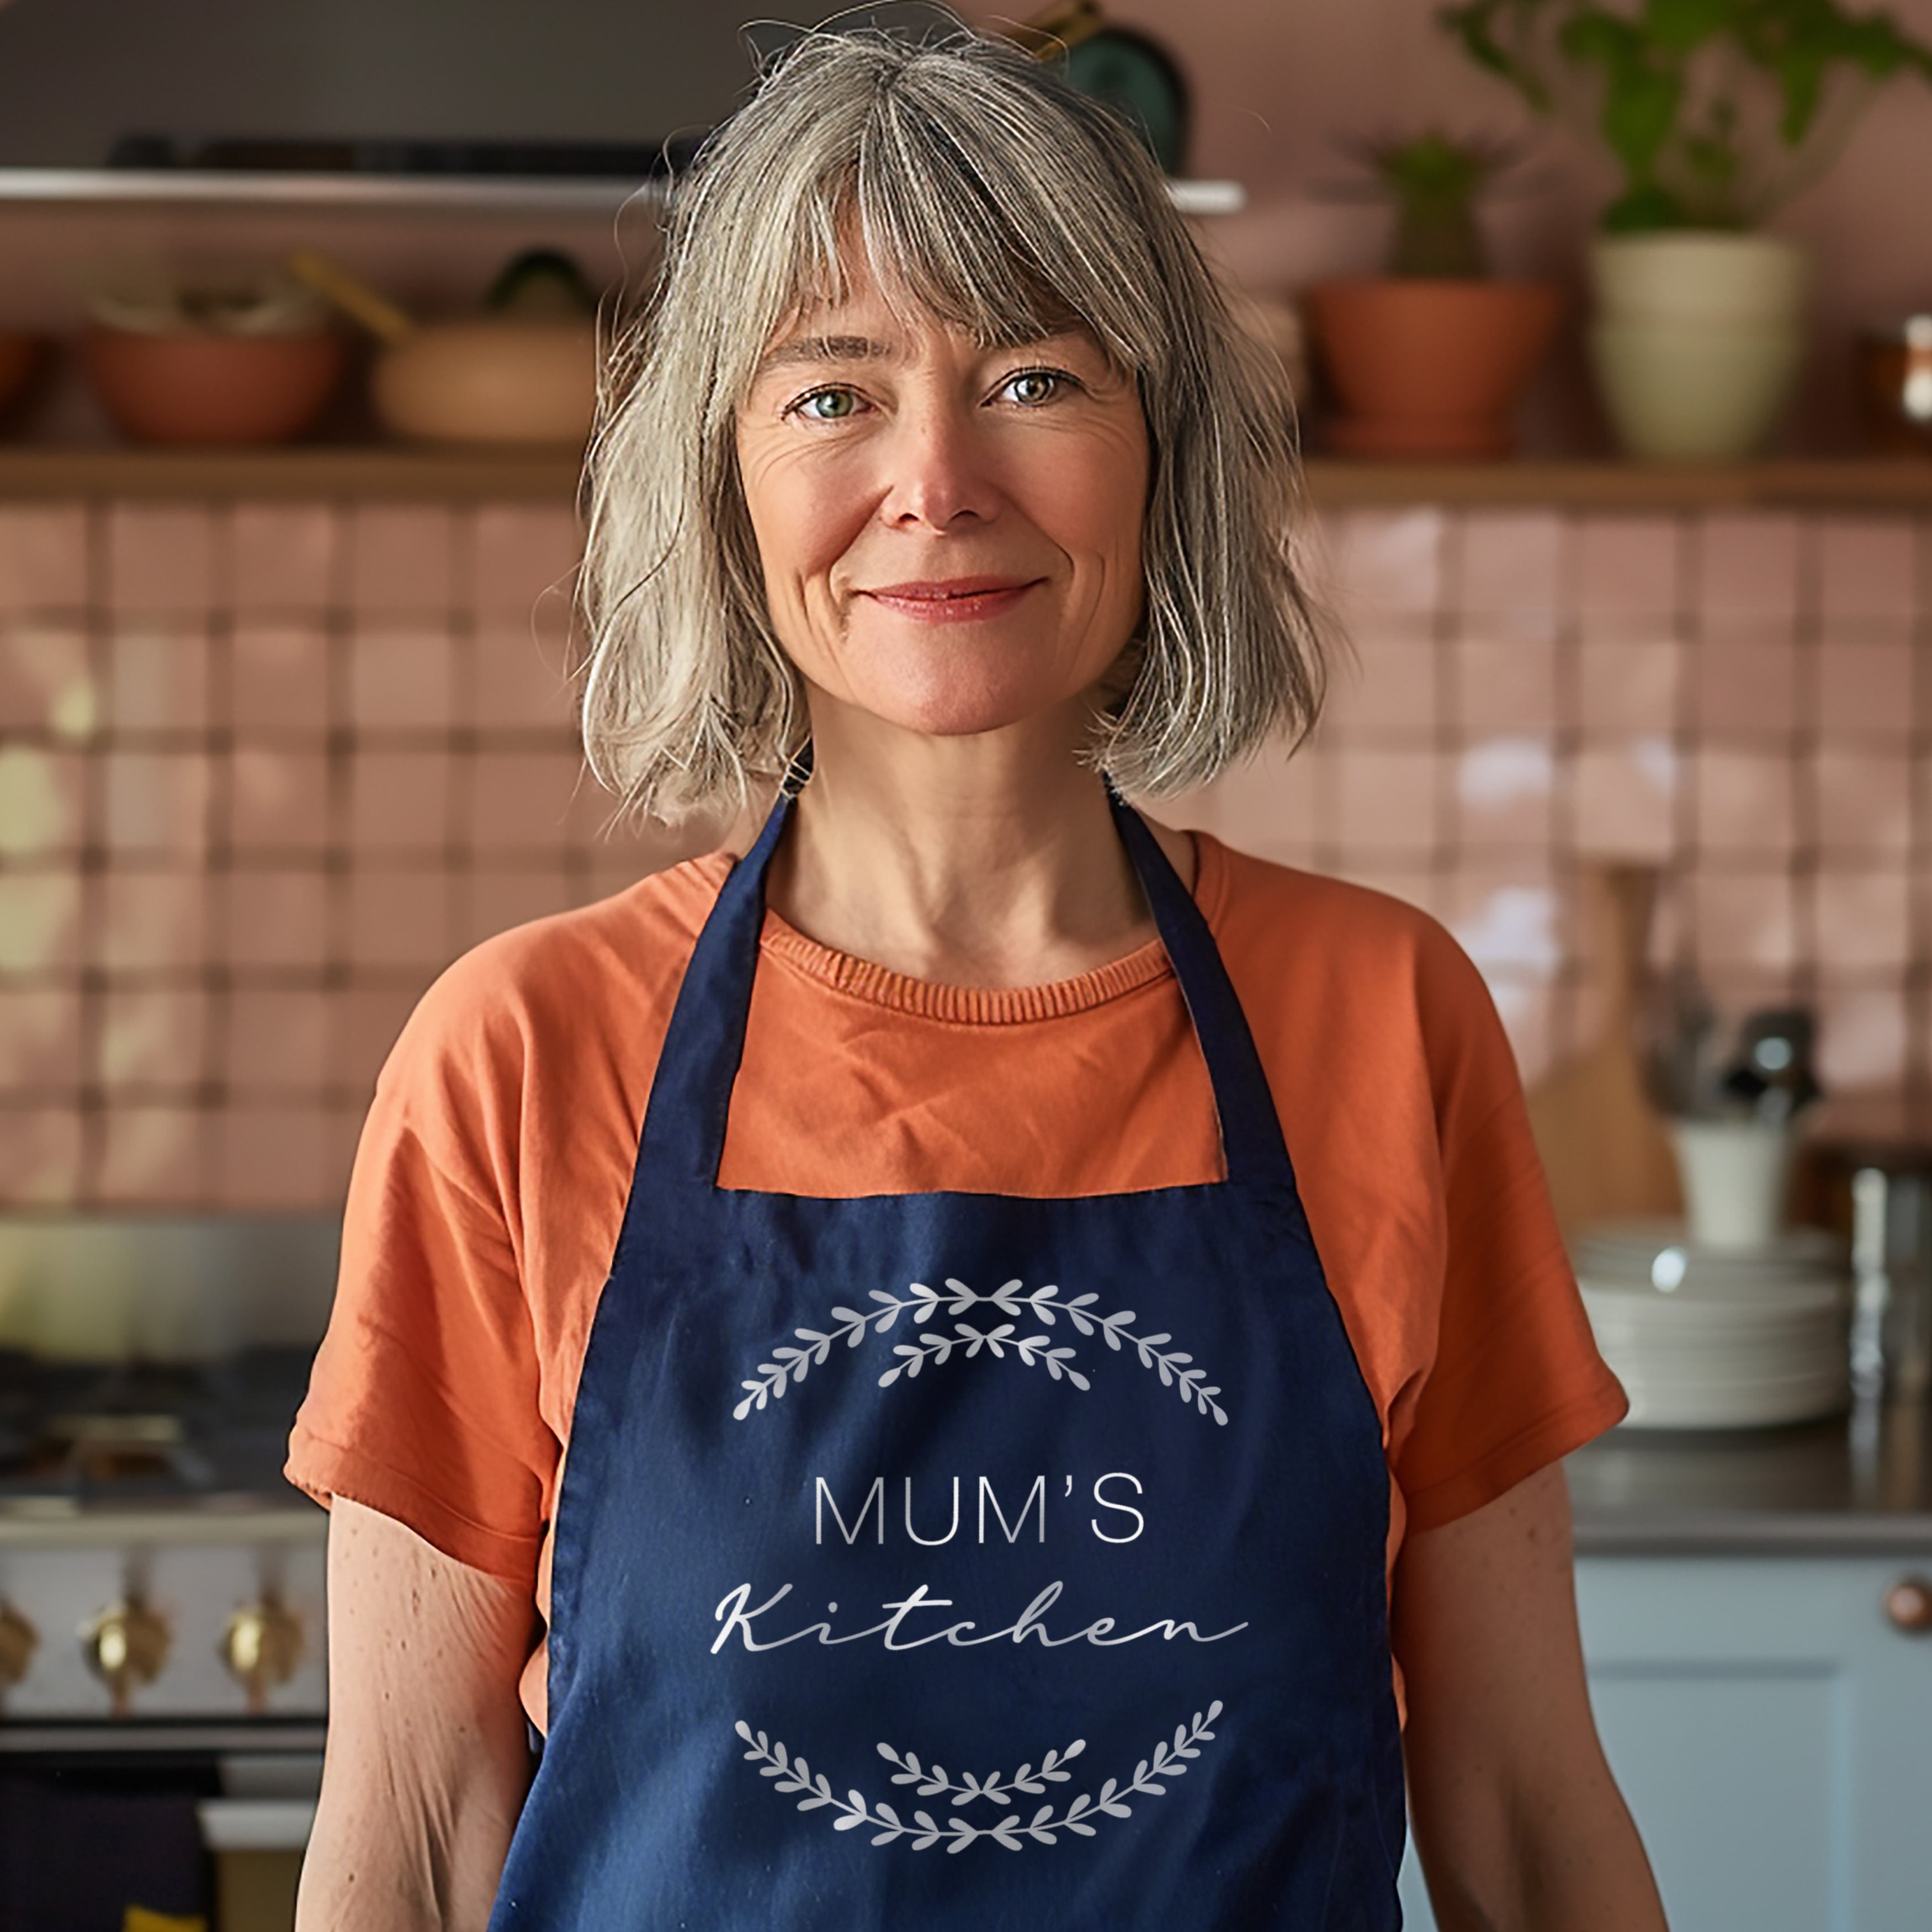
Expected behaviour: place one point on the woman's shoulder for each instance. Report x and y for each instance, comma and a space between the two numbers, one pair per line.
1374, 992
616, 960
1308, 921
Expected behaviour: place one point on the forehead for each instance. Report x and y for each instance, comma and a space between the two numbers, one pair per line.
846, 305
843, 336
866, 325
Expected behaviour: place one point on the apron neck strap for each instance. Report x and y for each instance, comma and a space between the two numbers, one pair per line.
691, 1095
1251, 1136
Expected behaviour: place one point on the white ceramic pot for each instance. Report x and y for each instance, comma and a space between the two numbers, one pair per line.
1697, 340
1735, 1175
1681, 393
1695, 276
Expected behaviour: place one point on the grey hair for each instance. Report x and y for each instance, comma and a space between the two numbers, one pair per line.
982, 188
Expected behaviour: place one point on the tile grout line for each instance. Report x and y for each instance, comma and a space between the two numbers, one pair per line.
1802, 748
92, 920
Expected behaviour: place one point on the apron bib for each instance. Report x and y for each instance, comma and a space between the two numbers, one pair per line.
949, 1560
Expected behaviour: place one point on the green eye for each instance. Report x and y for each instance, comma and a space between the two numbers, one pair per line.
1033, 386
828, 405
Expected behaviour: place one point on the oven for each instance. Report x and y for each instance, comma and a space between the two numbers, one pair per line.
162, 1692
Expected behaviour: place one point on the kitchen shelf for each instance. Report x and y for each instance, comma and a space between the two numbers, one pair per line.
244, 190
397, 194
319, 473
1823, 483
347, 472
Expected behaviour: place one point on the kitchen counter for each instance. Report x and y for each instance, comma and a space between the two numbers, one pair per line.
1861, 1485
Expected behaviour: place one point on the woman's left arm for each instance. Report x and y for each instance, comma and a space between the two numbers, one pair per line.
1517, 1819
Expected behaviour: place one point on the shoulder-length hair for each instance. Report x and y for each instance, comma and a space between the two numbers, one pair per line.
981, 187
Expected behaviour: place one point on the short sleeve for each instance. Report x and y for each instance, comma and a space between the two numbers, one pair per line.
423, 1402
1517, 1381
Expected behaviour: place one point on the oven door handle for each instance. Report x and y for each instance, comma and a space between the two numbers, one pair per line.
256, 1824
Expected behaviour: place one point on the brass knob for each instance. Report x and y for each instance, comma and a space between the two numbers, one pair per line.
262, 1647
19, 1640
125, 1647
1909, 1604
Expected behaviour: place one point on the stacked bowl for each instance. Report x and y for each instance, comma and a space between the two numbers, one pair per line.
1697, 339
1718, 1338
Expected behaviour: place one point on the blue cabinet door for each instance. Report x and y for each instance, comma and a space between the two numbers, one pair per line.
1772, 1733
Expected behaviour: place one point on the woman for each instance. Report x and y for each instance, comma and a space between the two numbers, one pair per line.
977, 1440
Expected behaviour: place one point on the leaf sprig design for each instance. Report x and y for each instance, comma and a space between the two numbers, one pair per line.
1030, 1348
932, 1781
1168, 1760
791, 1361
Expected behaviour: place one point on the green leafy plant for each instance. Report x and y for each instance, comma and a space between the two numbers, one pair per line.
1434, 179
1716, 111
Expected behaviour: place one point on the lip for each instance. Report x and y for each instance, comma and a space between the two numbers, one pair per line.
952, 600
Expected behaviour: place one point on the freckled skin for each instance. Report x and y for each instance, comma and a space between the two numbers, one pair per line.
941, 460
950, 538
417, 1805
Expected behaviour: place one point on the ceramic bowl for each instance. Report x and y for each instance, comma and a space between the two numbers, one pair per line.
1694, 393
187, 388
1700, 277
497, 379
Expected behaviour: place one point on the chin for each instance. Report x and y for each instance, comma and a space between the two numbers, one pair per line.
958, 691
961, 709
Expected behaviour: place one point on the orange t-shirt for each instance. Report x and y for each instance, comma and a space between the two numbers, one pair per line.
493, 1171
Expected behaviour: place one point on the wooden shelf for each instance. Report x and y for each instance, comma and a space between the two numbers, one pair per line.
235, 189
1828, 483
476, 475
434, 196
320, 472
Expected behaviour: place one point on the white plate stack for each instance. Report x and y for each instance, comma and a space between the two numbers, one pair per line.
1717, 1338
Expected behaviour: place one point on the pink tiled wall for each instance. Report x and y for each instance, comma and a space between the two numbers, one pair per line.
264, 769
1744, 701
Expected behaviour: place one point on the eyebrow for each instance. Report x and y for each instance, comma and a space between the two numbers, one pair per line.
807, 349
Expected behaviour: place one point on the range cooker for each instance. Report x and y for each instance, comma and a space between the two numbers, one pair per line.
162, 1651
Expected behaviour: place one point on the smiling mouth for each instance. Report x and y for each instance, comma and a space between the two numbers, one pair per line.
956, 602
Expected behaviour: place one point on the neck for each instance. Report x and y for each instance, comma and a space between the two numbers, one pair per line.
990, 860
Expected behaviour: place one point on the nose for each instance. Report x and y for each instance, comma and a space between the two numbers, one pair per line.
938, 471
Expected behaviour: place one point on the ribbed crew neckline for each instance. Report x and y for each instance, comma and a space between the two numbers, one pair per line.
990, 1005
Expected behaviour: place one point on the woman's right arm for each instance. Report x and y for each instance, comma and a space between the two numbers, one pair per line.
428, 1758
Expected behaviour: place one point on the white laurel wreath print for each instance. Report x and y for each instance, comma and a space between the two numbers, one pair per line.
790, 1361
1169, 1760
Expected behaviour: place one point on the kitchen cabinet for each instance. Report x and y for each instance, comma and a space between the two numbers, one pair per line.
1771, 1728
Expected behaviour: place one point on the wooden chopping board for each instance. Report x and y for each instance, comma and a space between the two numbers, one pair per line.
1603, 1146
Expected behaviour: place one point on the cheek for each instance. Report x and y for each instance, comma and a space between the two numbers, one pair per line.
793, 507
1092, 498
804, 521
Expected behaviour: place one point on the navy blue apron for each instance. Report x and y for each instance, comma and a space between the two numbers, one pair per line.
961, 1561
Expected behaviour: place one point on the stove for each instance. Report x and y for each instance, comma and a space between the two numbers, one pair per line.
161, 1586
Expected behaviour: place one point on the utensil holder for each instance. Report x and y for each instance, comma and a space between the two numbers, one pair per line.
1735, 1175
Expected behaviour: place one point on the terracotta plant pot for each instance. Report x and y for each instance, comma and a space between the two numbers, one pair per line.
1425, 368
189, 388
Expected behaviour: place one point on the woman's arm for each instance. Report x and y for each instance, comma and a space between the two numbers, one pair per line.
428, 1759
1517, 1819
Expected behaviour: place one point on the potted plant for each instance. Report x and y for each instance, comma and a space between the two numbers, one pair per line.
1428, 360
1716, 111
